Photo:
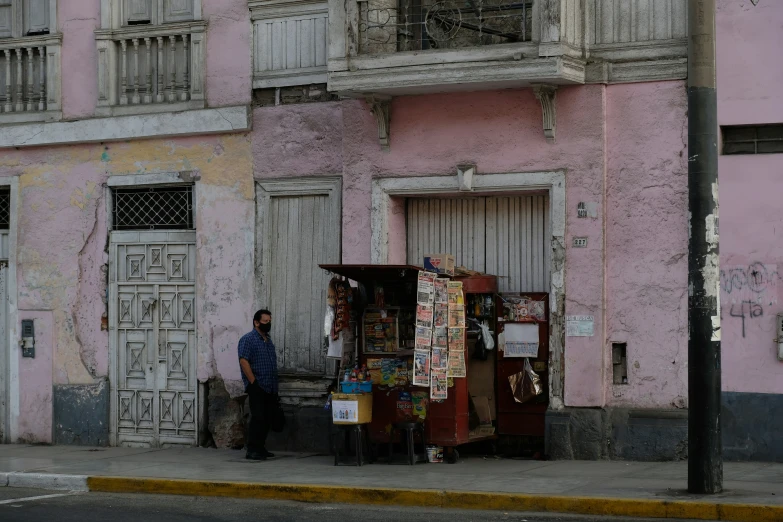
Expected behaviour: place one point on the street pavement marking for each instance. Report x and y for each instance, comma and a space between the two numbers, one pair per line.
39, 497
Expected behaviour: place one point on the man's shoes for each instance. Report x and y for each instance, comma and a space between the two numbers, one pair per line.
254, 455
268, 454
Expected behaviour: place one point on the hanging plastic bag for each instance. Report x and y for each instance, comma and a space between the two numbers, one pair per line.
329, 320
486, 335
480, 350
526, 384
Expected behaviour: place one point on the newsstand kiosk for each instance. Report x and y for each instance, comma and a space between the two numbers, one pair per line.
433, 394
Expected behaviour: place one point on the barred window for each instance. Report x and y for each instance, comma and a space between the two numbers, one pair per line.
154, 208
755, 139
5, 208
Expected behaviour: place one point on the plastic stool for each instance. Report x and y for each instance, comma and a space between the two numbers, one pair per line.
410, 428
360, 440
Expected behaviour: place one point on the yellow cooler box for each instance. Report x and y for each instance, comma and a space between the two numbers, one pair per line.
351, 408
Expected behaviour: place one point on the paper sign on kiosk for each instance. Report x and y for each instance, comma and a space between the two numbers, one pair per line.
521, 340
345, 411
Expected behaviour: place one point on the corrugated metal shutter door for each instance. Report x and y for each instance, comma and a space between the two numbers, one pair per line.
504, 236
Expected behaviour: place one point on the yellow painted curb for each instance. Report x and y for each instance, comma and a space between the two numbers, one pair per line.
645, 508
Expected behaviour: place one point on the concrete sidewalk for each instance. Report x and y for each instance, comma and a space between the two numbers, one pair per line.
754, 491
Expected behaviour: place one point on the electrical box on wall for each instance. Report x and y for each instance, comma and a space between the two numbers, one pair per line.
28, 338
779, 340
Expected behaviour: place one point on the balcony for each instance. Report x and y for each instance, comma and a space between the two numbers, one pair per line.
384, 48
151, 68
30, 79
401, 47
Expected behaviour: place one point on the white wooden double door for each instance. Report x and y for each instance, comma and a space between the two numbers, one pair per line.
152, 318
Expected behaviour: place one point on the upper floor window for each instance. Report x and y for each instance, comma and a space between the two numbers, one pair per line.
387, 26
29, 61
753, 139
154, 12
20, 18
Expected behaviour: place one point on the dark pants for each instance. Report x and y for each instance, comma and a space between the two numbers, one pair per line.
262, 405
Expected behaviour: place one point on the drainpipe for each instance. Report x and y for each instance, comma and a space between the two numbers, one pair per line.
705, 452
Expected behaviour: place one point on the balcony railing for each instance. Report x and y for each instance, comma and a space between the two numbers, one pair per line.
28, 75
387, 26
149, 65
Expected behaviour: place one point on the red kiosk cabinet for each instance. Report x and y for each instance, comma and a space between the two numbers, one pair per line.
526, 418
447, 421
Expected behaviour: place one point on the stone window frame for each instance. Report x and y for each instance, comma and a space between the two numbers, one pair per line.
113, 28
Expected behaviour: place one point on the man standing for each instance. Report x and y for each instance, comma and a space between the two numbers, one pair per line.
258, 362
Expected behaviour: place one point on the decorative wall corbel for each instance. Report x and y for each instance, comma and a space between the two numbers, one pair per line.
381, 109
546, 95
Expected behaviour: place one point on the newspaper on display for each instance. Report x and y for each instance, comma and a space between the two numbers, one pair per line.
439, 388
421, 368
425, 288
439, 358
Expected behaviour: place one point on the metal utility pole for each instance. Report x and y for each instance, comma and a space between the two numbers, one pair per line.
705, 452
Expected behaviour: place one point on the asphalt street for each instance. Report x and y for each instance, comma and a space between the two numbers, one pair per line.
33, 505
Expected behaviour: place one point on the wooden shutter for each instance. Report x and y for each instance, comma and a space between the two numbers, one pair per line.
298, 42
504, 236
138, 10
6, 19
36, 16
177, 10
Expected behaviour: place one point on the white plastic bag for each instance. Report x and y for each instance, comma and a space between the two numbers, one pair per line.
486, 336
329, 321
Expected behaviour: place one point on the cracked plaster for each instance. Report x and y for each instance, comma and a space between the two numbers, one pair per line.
63, 219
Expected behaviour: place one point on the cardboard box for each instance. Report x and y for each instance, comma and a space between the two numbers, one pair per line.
484, 413
439, 263
351, 408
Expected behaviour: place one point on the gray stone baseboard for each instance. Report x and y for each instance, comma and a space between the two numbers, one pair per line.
81, 414
751, 425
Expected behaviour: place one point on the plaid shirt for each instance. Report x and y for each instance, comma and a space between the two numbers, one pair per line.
261, 356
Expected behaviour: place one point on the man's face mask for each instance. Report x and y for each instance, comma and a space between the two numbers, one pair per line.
265, 327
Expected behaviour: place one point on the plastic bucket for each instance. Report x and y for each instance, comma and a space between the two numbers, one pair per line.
434, 454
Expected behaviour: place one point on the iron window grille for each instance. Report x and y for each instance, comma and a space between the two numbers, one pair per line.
756, 139
5, 209
154, 208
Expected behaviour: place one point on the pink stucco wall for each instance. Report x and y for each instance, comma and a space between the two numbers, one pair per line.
751, 250
78, 21
647, 241
749, 39
229, 42
228, 74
